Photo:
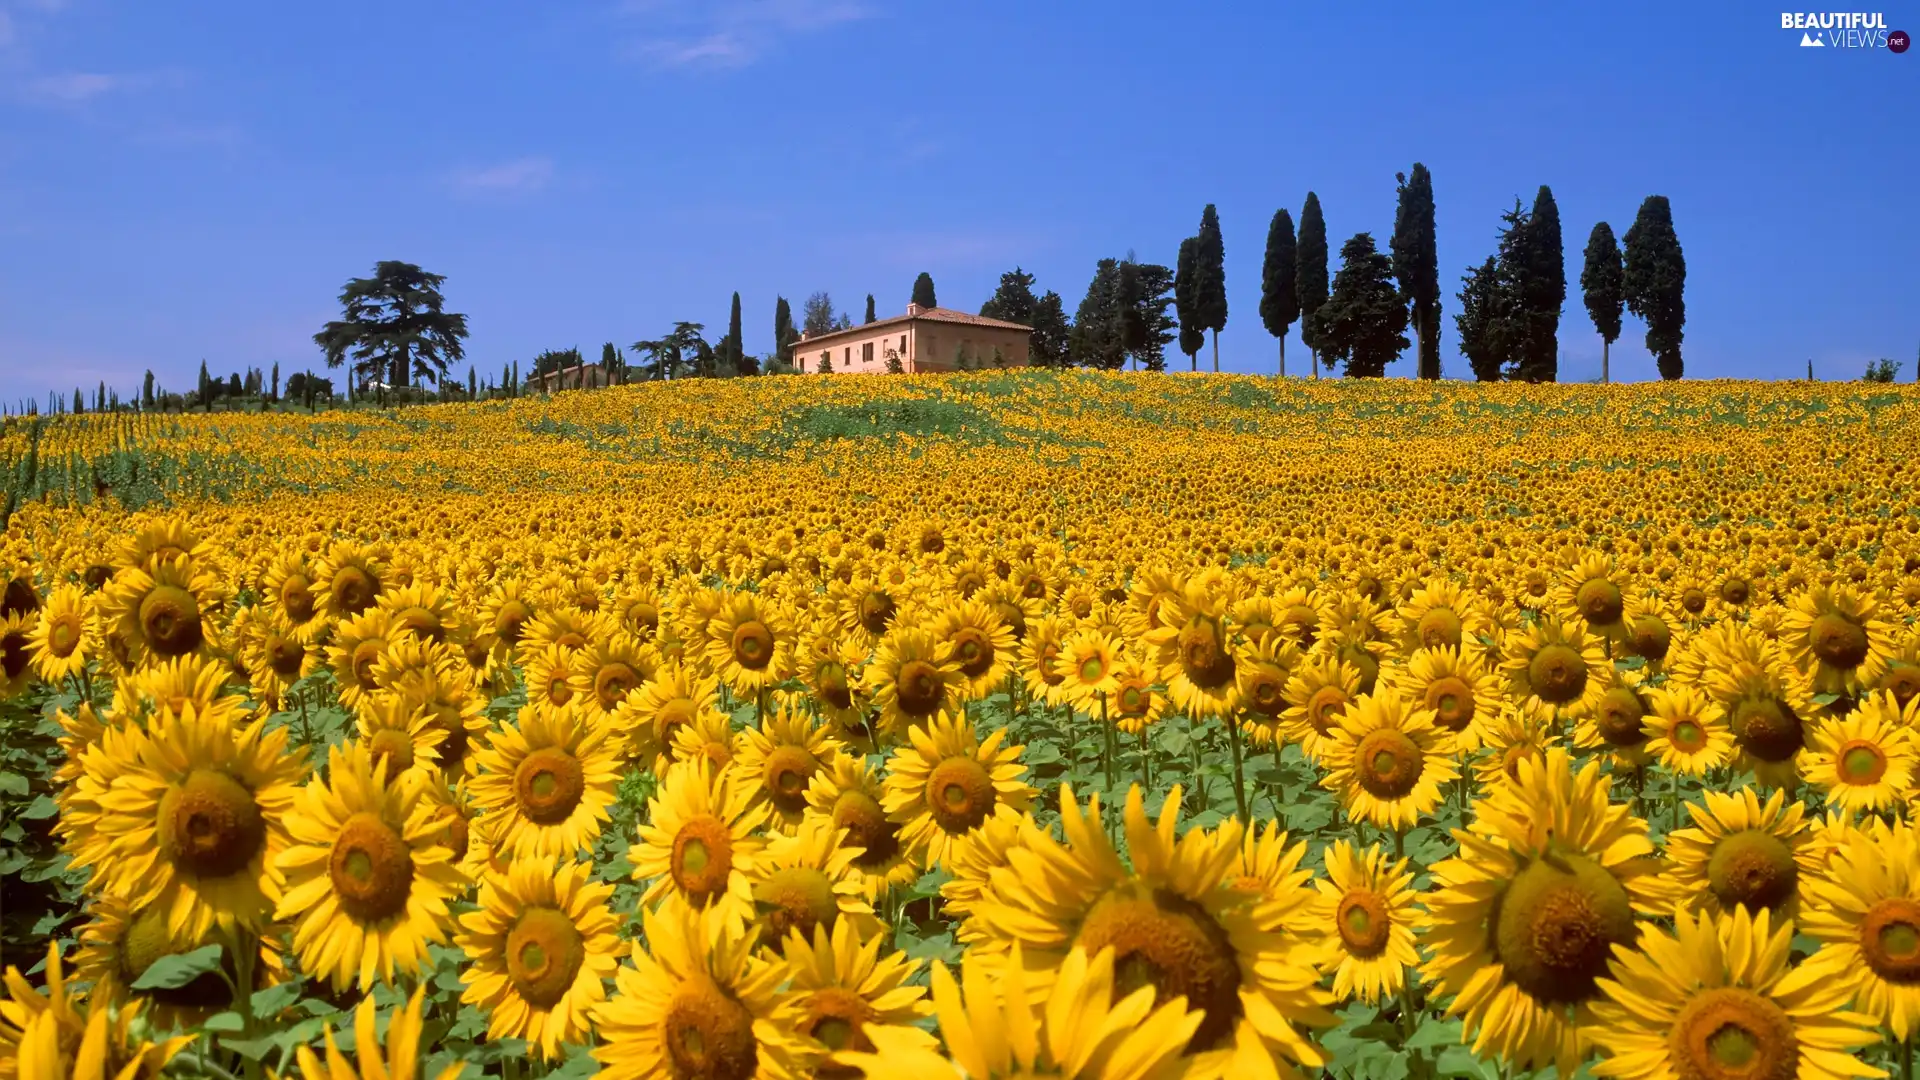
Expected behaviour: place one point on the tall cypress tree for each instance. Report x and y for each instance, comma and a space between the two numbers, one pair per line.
1655, 282
1186, 307
1416, 264
1210, 280
1279, 293
1543, 290
870, 315
1601, 282
923, 290
1311, 277
146, 391
783, 331
735, 359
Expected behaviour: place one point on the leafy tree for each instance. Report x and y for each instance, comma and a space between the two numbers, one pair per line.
1311, 276
1601, 280
826, 362
733, 353
783, 334
870, 314
1543, 290
1481, 297
1150, 327
923, 290
233, 384
1051, 332
1279, 294
146, 389
816, 316
1186, 305
894, 367
1013, 301
843, 321
1655, 281
1210, 278
1096, 340
1882, 370
395, 326
1362, 321
1416, 264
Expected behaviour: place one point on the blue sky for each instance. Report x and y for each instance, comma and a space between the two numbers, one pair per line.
180, 182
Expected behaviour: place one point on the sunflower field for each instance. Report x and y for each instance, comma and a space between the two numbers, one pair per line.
998, 725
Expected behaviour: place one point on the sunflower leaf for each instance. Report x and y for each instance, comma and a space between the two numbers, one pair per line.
175, 971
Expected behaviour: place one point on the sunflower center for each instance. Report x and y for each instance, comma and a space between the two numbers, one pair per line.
1619, 719
544, 953
1364, 923
393, 746
459, 831
14, 654
170, 620
365, 656
786, 774
1439, 628
1325, 707
796, 898
548, 785
371, 868
419, 622
831, 680
1093, 669
63, 634
1650, 638
702, 857
1388, 764
974, 651
1687, 735
867, 828
1838, 641
510, 620
1555, 924
1301, 623
1735, 590
1752, 868
1134, 700
920, 688
1599, 602
1731, 1033
752, 645
835, 1016
1264, 693
611, 683
1208, 664
353, 589
285, 656
709, 1034
1766, 728
1164, 940
643, 619
1861, 763
1890, 939
571, 639
876, 611
210, 826
1903, 682
1558, 673
1451, 700
959, 794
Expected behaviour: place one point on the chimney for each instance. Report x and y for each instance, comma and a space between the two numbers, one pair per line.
804, 335
914, 309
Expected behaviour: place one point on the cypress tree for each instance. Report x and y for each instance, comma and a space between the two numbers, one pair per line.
1279, 293
1363, 320
783, 331
870, 314
1543, 290
1185, 306
735, 359
506, 376
276, 380
1655, 281
473, 385
205, 389
516, 378
1601, 282
1416, 265
79, 406
1210, 277
923, 290
146, 391
1311, 276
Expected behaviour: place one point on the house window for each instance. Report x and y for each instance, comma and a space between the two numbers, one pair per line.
846, 355
866, 353
903, 344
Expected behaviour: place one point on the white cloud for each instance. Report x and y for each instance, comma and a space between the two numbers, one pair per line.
730, 33
73, 88
518, 177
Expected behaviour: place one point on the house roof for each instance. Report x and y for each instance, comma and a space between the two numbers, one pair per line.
938, 314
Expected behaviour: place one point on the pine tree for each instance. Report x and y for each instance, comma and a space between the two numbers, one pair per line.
783, 331
1051, 332
1149, 328
1210, 277
100, 397
1311, 277
1185, 303
816, 315
1480, 300
1601, 282
1279, 294
1416, 265
923, 290
1013, 300
146, 391
1363, 320
1543, 290
1096, 340
870, 314
1655, 280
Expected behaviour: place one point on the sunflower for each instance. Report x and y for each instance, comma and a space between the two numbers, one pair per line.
830, 670
118, 944
1768, 707
708, 737
421, 610
1549, 878
698, 1003
1648, 627
849, 793
752, 645
195, 818
1039, 648
56, 1036
541, 945
1838, 638
1194, 647
274, 657
1175, 921
1387, 762
547, 676
552, 774
845, 988
1687, 730
288, 589
1556, 663
1457, 686
395, 1057
1865, 760
1442, 615
1262, 668
1865, 913
700, 840
946, 781
604, 673
806, 879
163, 539
1087, 664
1618, 723
16, 653
367, 880
353, 652
1742, 853
979, 641
162, 614
1094, 1026
1589, 592
568, 628
63, 640
670, 699
436, 678
399, 733
1269, 867
972, 862
1135, 704
1902, 676
1319, 693
912, 679
1367, 902
779, 758
350, 578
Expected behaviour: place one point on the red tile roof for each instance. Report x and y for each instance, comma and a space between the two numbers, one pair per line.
938, 314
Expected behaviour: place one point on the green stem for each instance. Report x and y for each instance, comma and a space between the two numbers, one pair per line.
1107, 735
1146, 758
1906, 1058
1239, 773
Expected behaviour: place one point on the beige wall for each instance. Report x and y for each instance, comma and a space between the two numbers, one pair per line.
923, 345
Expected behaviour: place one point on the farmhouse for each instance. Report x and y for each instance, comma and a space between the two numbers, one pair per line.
924, 339
572, 377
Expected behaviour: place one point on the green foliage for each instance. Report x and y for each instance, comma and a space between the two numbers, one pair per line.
1210, 277
1655, 282
1882, 370
1186, 303
1362, 321
1601, 280
1416, 264
393, 327
923, 291
1543, 289
1310, 277
1098, 337
1013, 300
1279, 290
1051, 331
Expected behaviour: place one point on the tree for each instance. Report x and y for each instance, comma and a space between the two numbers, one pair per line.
923, 290
1311, 276
146, 390
1481, 297
506, 377
816, 316
1655, 281
204, 389
1210, 278
233, 384
870, 314
783, 334
1882, 370
251, 384
1013, 301
733, 354
1185, 305
1601, 283
1543, 290
1150, 328
610, 362
514, 386
1128, 318
894, 367
1096, 338
473, 385
1362, 321
689, 338
395, 327
1416, 264
826, 362
1051, 331
79, 406
1279, 293
276, 379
